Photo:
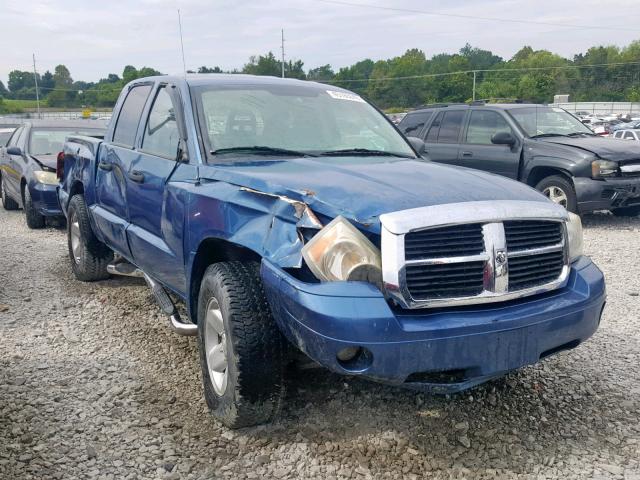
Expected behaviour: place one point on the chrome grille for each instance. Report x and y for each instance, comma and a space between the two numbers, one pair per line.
527, 234
445, 280
630, 169
473, 255
457, 240
533, 270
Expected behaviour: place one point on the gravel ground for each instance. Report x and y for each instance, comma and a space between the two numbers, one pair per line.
94, 385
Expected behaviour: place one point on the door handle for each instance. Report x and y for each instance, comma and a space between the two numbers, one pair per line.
136, 176
105, 166
467, 154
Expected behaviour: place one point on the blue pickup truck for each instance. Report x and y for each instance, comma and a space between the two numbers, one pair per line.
293, 216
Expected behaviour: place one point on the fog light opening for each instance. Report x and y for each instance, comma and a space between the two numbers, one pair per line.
355, 358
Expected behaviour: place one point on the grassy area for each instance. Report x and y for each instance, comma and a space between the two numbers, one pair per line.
21, 104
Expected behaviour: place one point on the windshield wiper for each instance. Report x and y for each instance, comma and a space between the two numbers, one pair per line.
542, 135
261, 150
364, 151
575, 134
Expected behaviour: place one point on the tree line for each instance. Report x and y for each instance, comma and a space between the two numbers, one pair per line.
602, 73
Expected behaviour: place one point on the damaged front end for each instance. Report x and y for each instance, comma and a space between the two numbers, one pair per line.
335, 252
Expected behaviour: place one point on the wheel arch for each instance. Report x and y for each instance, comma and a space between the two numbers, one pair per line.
213, 250
76, 188
539, 173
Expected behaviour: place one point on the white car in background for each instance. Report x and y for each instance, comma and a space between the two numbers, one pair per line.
627, 134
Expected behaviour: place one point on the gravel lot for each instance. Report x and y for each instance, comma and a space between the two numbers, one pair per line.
94, 385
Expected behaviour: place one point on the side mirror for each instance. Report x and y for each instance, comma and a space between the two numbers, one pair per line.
14, 151
417, 144
503, 138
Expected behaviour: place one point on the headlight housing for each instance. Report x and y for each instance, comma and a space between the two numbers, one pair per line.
48, 178
339, 252
574, 234
603, 168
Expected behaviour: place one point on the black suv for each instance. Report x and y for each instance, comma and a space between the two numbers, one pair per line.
544, 147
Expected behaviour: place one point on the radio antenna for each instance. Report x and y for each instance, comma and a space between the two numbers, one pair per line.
184, 65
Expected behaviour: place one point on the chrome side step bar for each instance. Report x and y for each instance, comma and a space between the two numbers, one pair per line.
122, 267
167, 306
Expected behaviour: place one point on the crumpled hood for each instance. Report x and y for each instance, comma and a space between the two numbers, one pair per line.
46, 160
363, 188
606, 148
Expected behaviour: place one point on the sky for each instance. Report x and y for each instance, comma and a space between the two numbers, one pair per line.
95, 38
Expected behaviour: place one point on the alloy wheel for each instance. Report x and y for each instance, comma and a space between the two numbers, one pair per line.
556, 195
76, 238
215, 344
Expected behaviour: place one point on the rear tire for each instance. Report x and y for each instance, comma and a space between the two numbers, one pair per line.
242, 352
633, 211
34, 219
89, 256
559, 190
7, 202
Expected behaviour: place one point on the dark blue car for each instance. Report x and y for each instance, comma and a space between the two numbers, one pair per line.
290, 215
28, 166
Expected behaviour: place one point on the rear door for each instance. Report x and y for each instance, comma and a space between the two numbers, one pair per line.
156, 212
111, 211
442, 140
9, 166
477, 150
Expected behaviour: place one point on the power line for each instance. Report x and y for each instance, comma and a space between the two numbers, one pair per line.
497, 70
474, 17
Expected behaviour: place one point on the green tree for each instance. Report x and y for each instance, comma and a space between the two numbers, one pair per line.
204, 69
321, 74
263, 65
63, 94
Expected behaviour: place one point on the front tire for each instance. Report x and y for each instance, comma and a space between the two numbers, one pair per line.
34, 219
242, 352
633, 211
559, 190
7, 202
89, 256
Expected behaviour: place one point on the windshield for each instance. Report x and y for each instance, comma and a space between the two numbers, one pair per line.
51, 140
301, 119
5, 135
547, 121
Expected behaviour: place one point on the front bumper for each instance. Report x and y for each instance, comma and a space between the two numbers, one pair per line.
409, 348
45, 199
606, 194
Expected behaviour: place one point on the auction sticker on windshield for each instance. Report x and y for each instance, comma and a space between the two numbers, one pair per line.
345, 96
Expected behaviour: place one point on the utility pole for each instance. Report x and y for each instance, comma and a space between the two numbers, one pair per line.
35, 79
184, 65
474, 85
282, 47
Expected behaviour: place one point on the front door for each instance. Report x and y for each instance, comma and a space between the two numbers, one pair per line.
156, 211
478, 151
13, 170
111, 210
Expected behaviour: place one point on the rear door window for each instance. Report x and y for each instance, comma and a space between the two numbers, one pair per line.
451, 126
483, 125
629, 136
161, 135
413, 123
129, 117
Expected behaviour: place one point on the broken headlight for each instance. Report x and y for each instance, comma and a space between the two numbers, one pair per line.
574, 234
47, 178
603, 168
339, 252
